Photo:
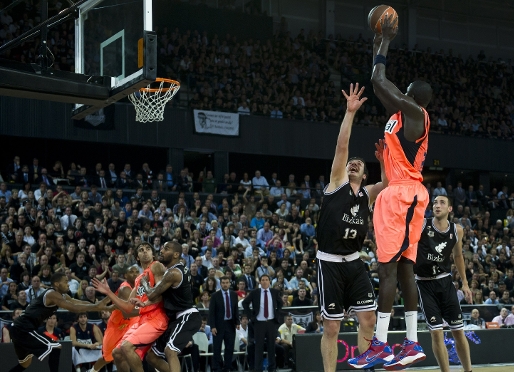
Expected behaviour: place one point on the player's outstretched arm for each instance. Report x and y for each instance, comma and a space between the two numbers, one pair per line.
354, 101
390, 96
54, 298
459, 262
375, 189
123, 305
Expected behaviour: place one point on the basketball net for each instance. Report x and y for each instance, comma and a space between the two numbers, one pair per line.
150, 102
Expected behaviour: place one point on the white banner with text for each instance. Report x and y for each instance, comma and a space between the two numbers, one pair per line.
214, 122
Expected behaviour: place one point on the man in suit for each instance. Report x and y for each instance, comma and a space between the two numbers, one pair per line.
266, 306
13, 169
249, 279
160, 184
45, 178
223, 319
101, 179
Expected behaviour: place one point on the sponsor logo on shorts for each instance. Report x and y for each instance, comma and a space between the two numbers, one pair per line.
433, 319
370, 295
332, 306
456, 322
364, 302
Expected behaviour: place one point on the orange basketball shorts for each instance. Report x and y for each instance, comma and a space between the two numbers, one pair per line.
398, 220
145, 331
114, 334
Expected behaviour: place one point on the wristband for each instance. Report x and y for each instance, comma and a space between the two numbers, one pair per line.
379, 58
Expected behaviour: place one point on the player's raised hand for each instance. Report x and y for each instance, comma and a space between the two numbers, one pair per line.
379, 152
100, 286
389, 27
354, 100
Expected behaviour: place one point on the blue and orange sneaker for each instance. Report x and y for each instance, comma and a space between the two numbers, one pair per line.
411, 353
377, 353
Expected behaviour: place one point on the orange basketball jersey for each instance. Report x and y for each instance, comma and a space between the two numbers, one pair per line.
141, 294
403, 160
117, 320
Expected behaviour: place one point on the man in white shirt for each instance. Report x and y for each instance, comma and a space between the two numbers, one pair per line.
68, 219
35, 289
504, 319
72, 283
260, 184
242, 333
41, 192
283, 199
207, 258
277, 190
241, 239
287, 330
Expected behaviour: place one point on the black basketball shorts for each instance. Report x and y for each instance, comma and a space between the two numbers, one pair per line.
344, 286
180, 331
31, 344
438, 301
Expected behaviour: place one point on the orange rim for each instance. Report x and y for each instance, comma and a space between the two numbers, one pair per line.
173, 85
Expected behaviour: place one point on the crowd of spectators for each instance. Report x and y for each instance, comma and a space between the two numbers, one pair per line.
288, 77
87, 224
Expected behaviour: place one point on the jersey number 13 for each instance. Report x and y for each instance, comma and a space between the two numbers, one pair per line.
350, 233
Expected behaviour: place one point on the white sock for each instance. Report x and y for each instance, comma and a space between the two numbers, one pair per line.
382, 326
411, 323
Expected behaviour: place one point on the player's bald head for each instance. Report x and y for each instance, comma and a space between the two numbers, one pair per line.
421, 91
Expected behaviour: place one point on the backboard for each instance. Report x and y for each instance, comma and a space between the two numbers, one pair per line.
110, 40
115, 55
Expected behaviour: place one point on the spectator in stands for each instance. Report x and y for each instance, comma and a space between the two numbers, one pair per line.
21, 301
316, 326
302, 300
86, 339
505, 319
10, 297
475, 320
80, 268
35, 289
6, 338
287, 330
492, 300
294, 282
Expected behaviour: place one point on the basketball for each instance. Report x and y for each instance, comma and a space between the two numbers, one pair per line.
377, 14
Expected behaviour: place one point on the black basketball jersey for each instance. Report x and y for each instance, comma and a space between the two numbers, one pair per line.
35, 313
434, 250
86, 336
179, 298
343, 220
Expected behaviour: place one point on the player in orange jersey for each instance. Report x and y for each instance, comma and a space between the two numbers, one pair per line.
119, 323
153, 321
399, 209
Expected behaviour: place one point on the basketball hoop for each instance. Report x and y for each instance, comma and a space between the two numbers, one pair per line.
149, 102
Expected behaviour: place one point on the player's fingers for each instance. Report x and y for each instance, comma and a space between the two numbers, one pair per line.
364, 99
351, 89
345, 95
361, 91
